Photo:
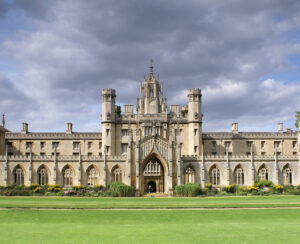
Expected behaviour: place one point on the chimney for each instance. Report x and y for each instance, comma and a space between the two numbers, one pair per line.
280, 127
235, 127
69, 128
24, 128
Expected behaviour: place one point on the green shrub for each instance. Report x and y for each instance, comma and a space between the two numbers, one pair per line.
229, 189
119, 189
59, 194
188, 190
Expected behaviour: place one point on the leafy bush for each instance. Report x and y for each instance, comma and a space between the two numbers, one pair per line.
278, 188
230, 189
54, 188
119, 189
188, 190
208, 186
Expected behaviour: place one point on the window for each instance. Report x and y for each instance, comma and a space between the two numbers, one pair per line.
90, 154
55, 145
42, 176
263, 154
57, 154
214, 145
67, 176
100, 145
295, 153
153, 168
214, 153
75, 154
76, 145
248, 154
189, 175
249, 145
294, 144
214, 176
42, 154
239, 176
195, 132
263, 173
107, 149
195, 149
90, 145
28, 145
107, 132
277, 144
9, 145
100, 154
178, 132
116, 175
227, 146
124, 132
124, 148
91, 176
287, 175
42, 145
148, 131
263, 143
27, 154
18, 176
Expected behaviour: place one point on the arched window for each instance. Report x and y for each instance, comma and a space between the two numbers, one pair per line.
19, 175
189, 175
214, 176
116, 174
263, 173
91, 176
287, 175
239, 176
67, 176
153, 168
42, 176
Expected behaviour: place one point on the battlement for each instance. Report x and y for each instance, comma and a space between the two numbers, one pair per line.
109, 91
194, 91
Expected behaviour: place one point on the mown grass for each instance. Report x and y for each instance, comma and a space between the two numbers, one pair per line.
152, 226
149, 203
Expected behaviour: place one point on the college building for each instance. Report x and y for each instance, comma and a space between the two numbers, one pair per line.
153, 147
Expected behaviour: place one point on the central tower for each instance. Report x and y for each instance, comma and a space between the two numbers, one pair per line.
151, 100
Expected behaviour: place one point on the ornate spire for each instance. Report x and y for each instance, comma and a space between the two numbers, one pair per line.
151, 66
3, 120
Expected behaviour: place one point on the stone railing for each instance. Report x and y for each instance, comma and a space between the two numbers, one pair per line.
52, 135
249, 135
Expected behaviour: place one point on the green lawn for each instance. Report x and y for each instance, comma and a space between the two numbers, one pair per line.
143, 203
154, 226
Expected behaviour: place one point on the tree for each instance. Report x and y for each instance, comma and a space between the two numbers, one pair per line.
297, 119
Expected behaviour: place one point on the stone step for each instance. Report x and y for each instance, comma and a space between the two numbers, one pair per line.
158, 194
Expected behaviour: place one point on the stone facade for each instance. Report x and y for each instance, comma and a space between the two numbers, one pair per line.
154, 149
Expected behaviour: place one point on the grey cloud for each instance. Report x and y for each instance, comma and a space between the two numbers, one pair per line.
80, 47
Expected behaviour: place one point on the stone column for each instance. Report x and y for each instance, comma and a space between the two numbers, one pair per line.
6, 168
55, 168
276, 168
203, 180
252, 168
227, 169
30, 169
80, 178
105, 167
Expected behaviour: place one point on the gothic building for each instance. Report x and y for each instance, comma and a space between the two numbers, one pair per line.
155, 149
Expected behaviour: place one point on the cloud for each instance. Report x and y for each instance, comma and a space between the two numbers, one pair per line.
76, 48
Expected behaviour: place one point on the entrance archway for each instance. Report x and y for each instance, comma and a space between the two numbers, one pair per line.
153, 176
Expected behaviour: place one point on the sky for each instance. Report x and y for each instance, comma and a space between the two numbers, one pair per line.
57, 56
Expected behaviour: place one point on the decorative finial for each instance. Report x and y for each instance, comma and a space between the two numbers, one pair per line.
3, 120
151, 66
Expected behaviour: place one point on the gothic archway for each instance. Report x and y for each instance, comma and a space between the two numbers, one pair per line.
153, 175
